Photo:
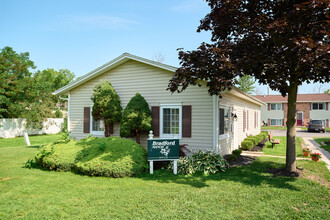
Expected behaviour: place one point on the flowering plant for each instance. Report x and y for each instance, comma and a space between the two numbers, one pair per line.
306, 150
316, 155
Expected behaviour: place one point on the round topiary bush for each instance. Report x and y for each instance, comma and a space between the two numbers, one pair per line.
247, 145
111, 157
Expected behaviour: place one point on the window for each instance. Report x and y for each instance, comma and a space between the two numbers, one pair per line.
318, 106
171, 118
97, 126
277, 106
224, 122
276, 122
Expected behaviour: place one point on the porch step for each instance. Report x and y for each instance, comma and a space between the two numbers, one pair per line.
244, 152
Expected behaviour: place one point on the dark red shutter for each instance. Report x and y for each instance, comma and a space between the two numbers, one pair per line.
268, 106
155, 120
282, 106
327, 123
326, 106
186, 121
269, 122
282, 122
87, 119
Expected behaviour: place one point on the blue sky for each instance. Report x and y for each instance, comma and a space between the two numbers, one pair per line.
83, 35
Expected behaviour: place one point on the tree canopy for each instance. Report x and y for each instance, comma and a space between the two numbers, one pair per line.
136, 118
280, 43
246, 84
106, 106
24, 94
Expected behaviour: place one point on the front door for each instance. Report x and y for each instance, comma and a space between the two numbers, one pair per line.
299, 118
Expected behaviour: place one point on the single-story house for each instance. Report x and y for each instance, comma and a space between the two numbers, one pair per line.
309, 107
202, 121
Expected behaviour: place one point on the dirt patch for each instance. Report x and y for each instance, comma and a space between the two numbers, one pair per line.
317, 179
283, 172
241, 160
7, 178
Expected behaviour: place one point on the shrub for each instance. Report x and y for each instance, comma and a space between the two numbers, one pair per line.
247, 145
136, 118
252, 139
111, 157
237, 152
264, 133
232, 157
206, 162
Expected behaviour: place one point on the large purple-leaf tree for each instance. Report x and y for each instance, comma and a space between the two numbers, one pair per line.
281, 43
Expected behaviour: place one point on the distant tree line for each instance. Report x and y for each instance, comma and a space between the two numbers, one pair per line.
27, 94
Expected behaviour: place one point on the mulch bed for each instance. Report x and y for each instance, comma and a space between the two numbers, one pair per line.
241, 160
260, 146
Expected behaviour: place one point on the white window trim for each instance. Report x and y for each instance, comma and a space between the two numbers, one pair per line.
161, 134
98, 133
275, 119
318, 109
228, 135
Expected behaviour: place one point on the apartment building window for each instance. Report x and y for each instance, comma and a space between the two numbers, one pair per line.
276, 122
318, 106
276, 106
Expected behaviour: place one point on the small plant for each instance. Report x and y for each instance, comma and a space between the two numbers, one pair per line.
317, 155
206, 162
247, 145
101, 146
30, 163
307, 150
232, 157
237, 152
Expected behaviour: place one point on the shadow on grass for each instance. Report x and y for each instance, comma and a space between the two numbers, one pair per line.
34, 146
253, 175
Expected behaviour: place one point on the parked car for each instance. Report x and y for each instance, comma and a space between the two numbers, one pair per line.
316, 125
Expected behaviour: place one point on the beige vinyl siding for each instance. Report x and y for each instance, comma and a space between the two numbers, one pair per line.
226, 146
151, 82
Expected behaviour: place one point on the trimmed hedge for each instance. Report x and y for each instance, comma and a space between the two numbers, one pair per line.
254, 140
247, 145
237, 152
111, 157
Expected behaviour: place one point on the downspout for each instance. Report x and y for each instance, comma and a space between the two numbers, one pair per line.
215, 124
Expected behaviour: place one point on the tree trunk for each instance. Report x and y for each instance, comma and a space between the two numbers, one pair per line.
137, 137
291, 129
107, 129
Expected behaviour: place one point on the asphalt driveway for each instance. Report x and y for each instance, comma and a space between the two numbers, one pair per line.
300, 133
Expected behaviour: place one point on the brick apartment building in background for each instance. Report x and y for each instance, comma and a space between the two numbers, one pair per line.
309, 107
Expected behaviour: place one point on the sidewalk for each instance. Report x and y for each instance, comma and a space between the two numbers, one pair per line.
315, 147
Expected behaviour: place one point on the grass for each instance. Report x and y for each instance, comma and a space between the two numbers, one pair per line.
34, 140
284, 128
320, 140
280, 149
240, 193
273, 128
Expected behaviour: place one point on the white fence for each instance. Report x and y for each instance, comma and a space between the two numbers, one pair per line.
14, 127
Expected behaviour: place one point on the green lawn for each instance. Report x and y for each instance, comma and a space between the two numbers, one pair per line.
320, 140
280, 149
240, 193
273, 128
34, 140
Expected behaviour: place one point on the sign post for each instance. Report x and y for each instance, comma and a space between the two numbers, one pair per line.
162, 150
